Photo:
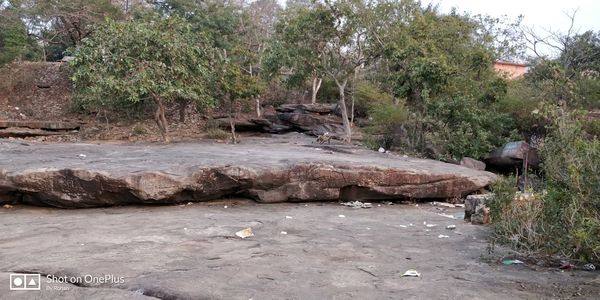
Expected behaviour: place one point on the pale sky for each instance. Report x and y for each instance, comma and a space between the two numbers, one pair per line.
542, 14
538, 14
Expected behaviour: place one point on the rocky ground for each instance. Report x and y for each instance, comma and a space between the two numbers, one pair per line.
298, 251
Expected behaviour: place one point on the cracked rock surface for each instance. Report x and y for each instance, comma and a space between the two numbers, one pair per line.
267, 170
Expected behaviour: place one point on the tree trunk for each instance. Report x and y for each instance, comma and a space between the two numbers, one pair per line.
347, 128
232, 121
352, 101
161, 120
258, 113
182, 106
316, 85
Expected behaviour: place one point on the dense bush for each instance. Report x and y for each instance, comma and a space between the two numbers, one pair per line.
563, 218
462, 126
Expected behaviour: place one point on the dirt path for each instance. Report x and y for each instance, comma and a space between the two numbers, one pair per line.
191, 252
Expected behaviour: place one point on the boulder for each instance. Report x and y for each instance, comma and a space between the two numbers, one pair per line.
313, 119
512, 155
476, 210
87, 175
472, 163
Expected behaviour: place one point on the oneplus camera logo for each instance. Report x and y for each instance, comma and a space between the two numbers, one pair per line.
25, 282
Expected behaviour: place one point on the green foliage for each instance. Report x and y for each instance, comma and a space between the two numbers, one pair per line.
367, 97
129, 63
563, 218
213, 131
517, 221
387, 127
462, 126
15, 43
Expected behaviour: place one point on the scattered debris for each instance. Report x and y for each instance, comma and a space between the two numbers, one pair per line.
405, 156
225, 206
341, 216
411, 273
82, 155
357, 204
443, 236
403, 226
459, 205
451, 227
244, 233
388, 202
445, 215
381, 150
190, 203
288, 217
283, 232
589, 267
509, 262
431, 225
566, 266
7, 206
444, 204
366, 271
459, 215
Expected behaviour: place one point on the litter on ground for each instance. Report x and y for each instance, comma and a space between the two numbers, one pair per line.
411, 273
357, 204
244, 233
509, 262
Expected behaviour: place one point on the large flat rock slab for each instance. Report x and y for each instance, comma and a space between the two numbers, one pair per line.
268, 170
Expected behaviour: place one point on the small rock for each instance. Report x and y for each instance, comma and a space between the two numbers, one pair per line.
472, 163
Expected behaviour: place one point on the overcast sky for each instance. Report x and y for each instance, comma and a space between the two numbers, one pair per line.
540, 15
548, 14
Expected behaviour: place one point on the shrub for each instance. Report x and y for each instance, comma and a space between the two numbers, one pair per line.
462, 126
387, 128
564, 218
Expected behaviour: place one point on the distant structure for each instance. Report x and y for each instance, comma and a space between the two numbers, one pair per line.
510, 69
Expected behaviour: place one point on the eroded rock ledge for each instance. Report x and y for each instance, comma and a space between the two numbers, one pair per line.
267, 170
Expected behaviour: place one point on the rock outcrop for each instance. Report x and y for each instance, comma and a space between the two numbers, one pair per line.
86, 175
312, 119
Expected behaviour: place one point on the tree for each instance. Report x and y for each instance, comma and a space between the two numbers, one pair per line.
59, 24
298, 47
159, 60
345, 51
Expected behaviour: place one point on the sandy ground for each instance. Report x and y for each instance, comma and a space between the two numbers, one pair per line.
191, 252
